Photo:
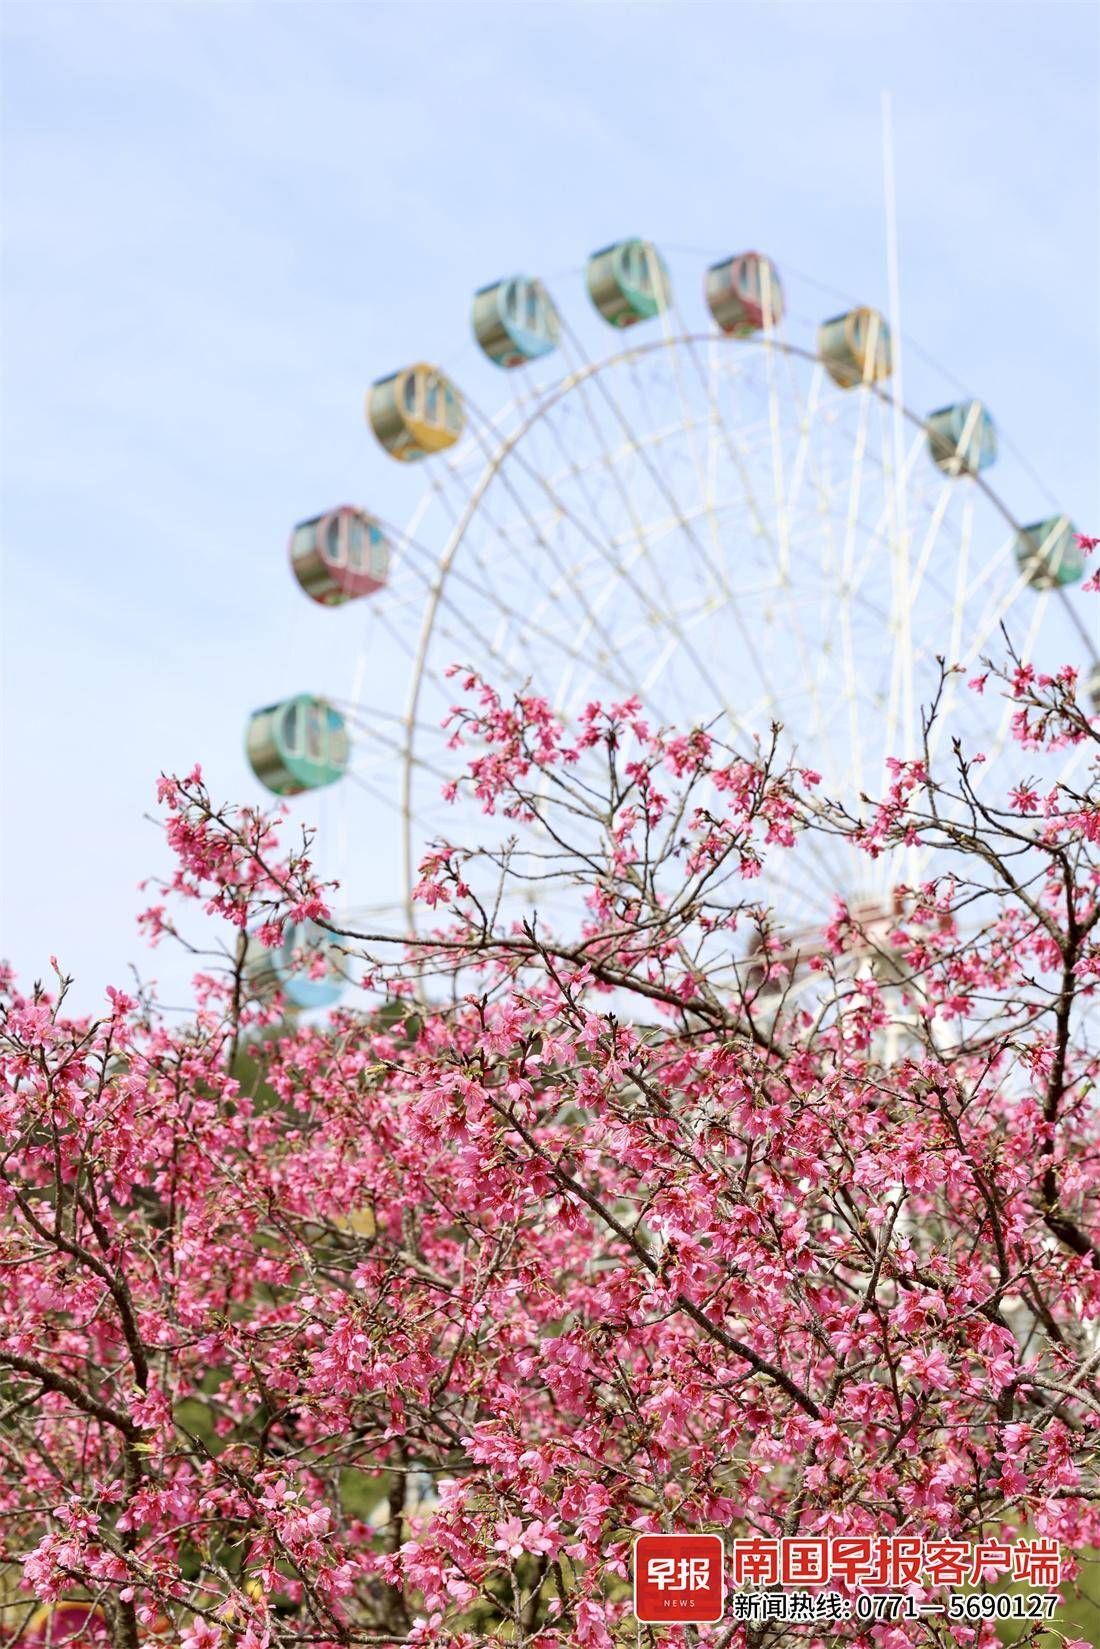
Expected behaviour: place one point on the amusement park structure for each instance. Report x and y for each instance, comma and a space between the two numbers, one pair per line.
744, 527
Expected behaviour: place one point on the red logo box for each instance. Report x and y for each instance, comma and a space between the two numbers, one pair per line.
679, 1577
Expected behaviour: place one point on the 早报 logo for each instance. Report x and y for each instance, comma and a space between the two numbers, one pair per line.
678, 1578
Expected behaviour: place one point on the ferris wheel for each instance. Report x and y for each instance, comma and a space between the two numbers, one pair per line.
733, 515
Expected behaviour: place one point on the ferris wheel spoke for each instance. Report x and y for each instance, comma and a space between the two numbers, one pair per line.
782, 537
607, 552
670, 623
823, 493
521, 619
701, 458
427, 627
615, 670
885, 528
805, 414
610, 468
958, 606
393, 744
890, 537
534, 524
377, 794
933, 649
598, 380
900, 463
998, 609
650, 442
992, 566
475, 630
422, 565
823, 527
707, 375
850, 587
804, 458
852, 594
809, 658
930, 540
852, 698
708, 559
782, 513
623, 570
569, 648
876, 548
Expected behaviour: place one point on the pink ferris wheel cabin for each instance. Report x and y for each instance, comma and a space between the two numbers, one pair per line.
339, 556
744, 293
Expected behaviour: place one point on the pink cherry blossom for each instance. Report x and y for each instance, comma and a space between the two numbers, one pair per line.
670, 1212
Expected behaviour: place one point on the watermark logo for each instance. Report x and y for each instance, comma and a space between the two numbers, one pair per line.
679, 1577
682, 1577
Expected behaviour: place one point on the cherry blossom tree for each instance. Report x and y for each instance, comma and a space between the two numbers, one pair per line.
630, 1209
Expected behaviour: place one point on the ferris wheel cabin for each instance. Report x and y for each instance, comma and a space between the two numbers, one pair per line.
855, 348
415, 412
339, 556
293, 969
298, 744
962, 438
744, 294
628, 282
1048, 553
515, 321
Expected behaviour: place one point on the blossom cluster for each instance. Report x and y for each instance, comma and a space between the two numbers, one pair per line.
398, 1327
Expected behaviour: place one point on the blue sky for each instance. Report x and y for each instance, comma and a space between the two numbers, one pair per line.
222, 220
